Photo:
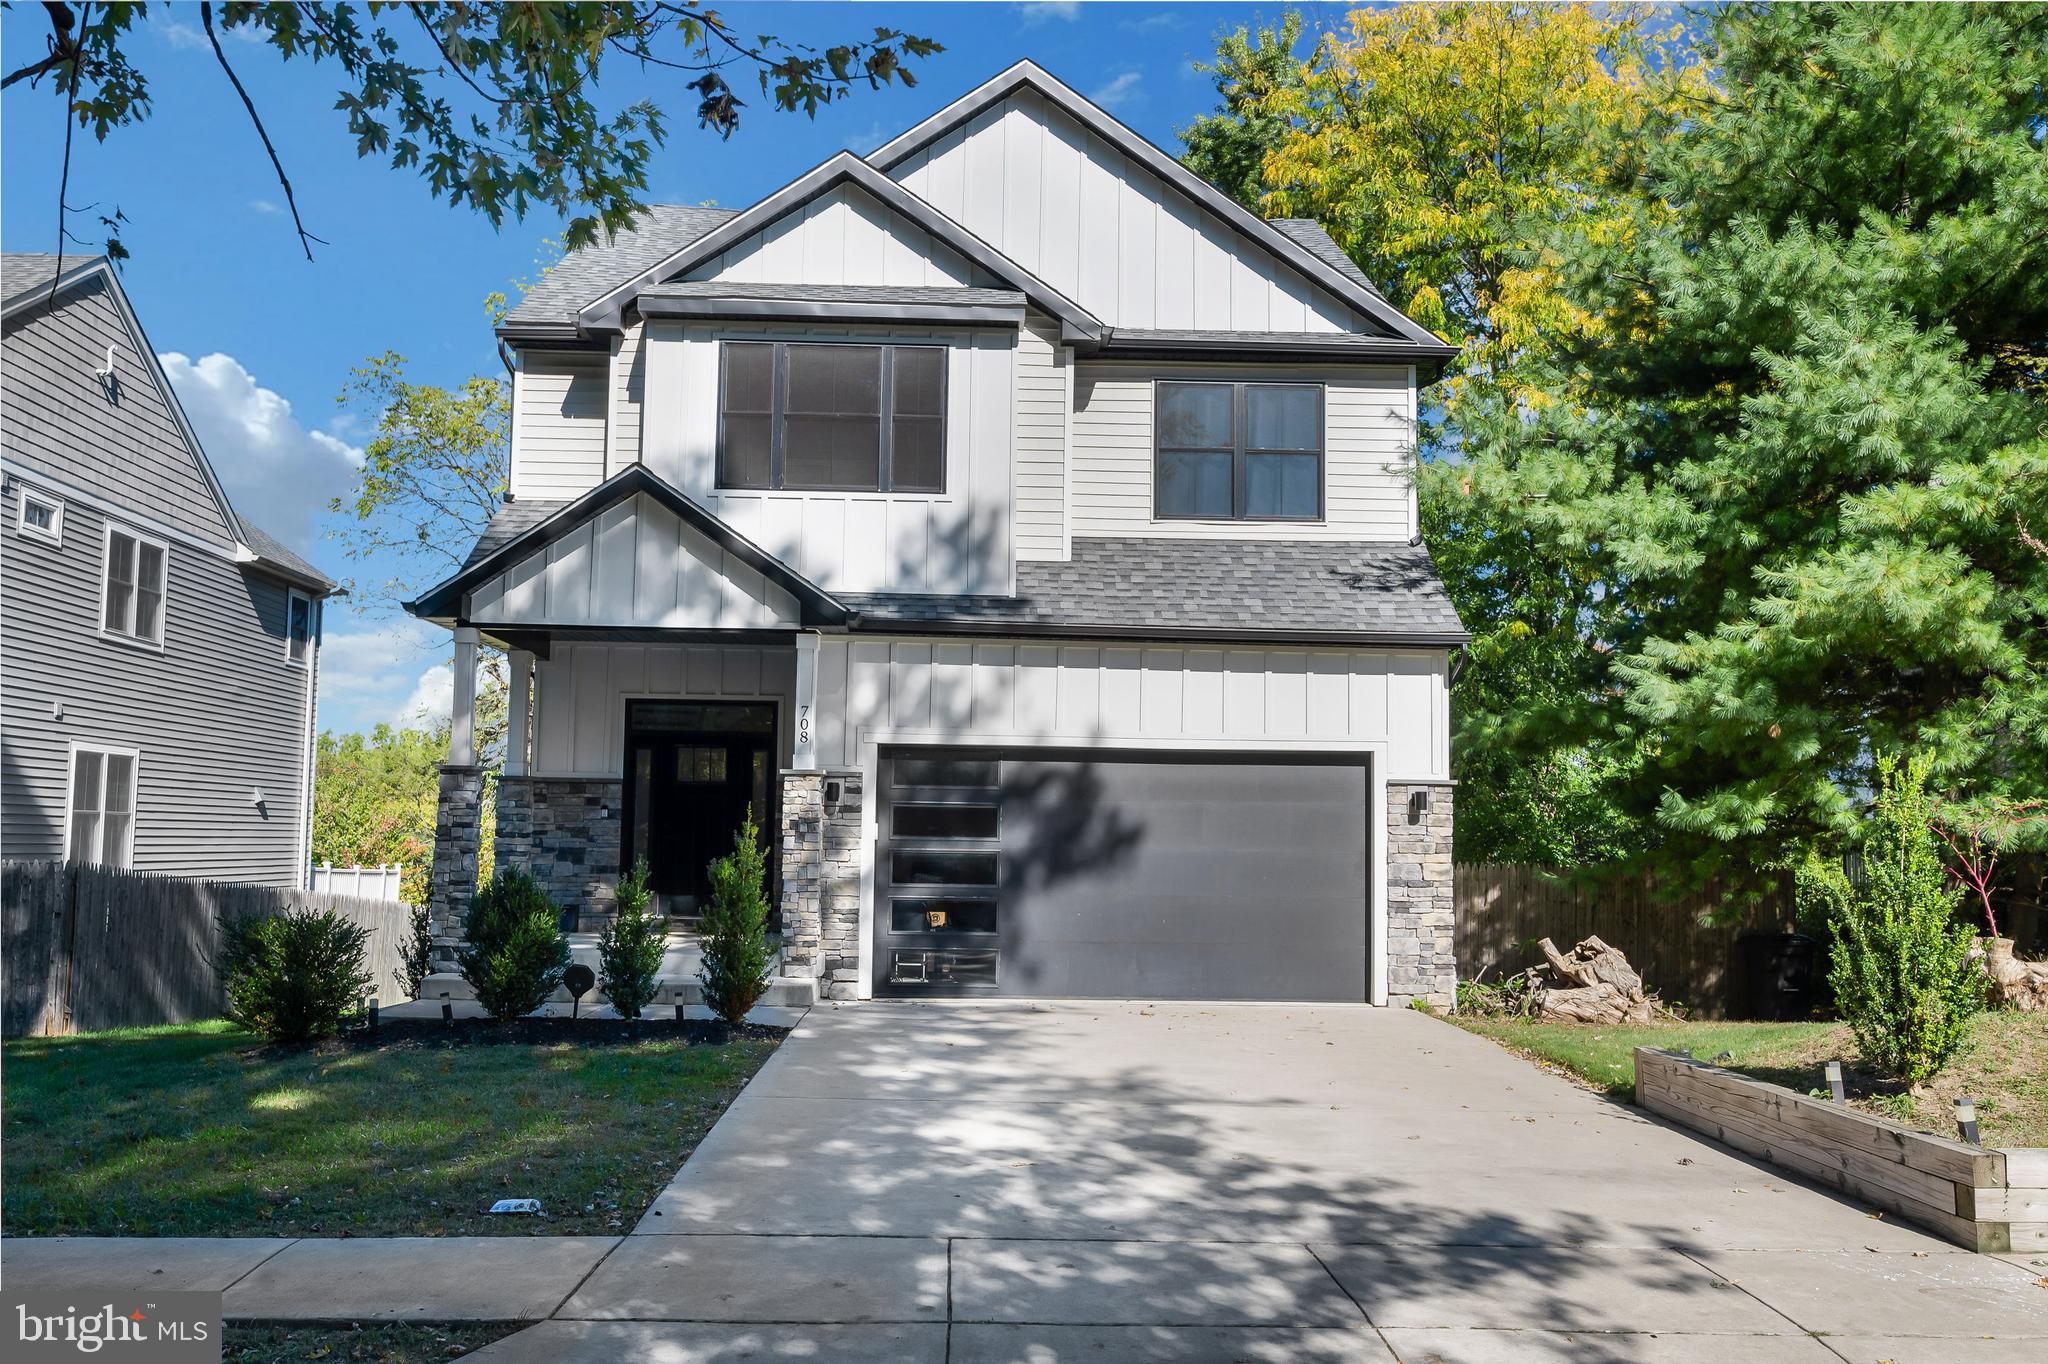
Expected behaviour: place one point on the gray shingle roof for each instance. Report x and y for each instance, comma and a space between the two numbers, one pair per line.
268, 547
23, 272
1309, 235
588, 271
1306, 588
513, 520
840, 293
1339, 587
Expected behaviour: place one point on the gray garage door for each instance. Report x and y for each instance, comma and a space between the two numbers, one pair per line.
1150, 877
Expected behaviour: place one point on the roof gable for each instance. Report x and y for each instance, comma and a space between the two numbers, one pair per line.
579, 564
843, 189
1099, 212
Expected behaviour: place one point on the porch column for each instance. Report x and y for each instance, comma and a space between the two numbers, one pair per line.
803, 755
519, 707
462, 717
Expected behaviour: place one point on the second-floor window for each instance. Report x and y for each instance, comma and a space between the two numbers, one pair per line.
133, 605
1241, 452
832, 418
298, 629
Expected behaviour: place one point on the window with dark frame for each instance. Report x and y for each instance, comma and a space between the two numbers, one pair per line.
830, 417
298, 627
1237, 451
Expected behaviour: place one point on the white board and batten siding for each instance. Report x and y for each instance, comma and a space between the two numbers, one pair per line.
1031, 181
845, 236
1134, 697
958, 541
560, 404
1368, 461
636, 564
581, 690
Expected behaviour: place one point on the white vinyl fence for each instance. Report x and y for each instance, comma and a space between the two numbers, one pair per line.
363, 883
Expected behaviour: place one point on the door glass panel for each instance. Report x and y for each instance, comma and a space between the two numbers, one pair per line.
945, 821
643, 799
942, 916
698, 717
968, 772
936, 867
700, 765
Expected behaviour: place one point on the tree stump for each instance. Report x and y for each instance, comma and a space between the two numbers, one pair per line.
2021, 984
1594, 984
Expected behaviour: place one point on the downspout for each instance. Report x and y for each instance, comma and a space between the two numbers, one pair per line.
311, 750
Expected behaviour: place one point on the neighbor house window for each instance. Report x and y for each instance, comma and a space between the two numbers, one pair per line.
40, 516
103, 806
1246, 452
822, 417
298, 628
133, 604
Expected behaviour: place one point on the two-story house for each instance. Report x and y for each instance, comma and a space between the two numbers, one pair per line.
158, 653
1025, 531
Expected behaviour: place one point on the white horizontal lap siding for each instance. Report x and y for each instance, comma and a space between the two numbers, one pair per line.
1072, 209
1041, 442
580, 695
629, 384
1369, 441
636, 564
1133, 696
559, 441
218, 713
842, 237
956, 542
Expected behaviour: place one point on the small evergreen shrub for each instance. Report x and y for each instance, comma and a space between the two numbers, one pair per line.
294, 977
415, 955
734, 928
629, 950
1901, 972
513, 952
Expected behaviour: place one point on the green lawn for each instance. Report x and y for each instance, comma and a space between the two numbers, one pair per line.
202, 1131
2003, 1066
376, 1344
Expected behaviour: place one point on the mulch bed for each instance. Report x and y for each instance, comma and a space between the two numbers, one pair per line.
595, 1032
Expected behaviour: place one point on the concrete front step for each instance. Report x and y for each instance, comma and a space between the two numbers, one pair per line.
786, 992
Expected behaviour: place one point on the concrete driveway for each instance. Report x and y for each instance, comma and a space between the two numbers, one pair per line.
1133, 1182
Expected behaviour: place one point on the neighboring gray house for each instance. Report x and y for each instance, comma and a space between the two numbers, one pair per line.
158, 654
1026, 531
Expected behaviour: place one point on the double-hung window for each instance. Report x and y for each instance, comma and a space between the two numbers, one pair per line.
824, 417
132, 606
103, 806
1243, 452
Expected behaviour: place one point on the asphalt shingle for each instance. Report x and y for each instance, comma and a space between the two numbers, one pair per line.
588, 271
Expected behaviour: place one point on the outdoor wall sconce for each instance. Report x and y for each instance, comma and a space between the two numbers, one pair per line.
256, 795
835, 794
1418, 804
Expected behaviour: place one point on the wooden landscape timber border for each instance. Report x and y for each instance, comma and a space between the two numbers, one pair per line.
1984, 1198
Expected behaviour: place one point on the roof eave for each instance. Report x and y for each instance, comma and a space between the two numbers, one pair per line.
831, 310
868, 623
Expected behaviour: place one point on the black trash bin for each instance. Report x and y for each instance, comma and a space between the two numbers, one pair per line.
1776, 977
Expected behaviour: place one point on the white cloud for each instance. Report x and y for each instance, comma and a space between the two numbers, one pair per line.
1121, 89
1046, 11
382, 671
277, 472
185, 37
263, 206
1154, 23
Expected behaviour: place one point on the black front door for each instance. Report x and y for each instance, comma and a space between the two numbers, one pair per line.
693, 768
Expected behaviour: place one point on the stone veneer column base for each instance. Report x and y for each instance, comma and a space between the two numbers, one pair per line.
820, 854
565, 832
1422, 959
458, 824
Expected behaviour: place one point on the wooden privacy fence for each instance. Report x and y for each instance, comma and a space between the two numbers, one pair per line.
90, 947
1502, 909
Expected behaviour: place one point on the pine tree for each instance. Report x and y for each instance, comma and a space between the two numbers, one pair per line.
733, 930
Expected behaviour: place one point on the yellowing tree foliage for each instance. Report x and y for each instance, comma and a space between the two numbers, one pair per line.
1435, 141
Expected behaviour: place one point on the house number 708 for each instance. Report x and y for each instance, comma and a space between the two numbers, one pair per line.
803, 725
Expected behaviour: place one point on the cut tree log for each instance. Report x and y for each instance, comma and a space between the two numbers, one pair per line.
1594, 984
2022, 984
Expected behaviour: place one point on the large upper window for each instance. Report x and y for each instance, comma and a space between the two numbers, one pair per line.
133, 602
1247, 452
811, 415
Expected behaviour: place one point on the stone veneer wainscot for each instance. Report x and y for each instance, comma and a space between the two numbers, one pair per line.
565, 832
1421, 915
821, 844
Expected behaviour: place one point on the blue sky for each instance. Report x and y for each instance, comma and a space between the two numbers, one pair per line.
259, 341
